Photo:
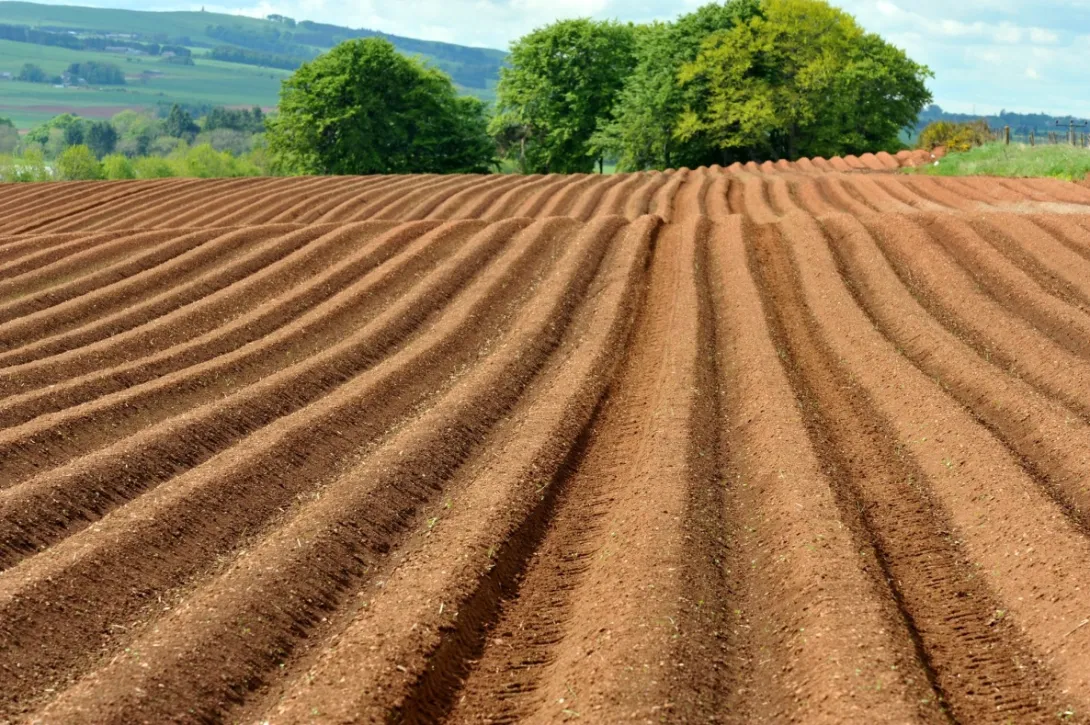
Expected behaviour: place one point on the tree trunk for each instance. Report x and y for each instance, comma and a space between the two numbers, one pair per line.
793, 143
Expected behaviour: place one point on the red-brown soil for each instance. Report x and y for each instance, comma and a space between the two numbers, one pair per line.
779, 442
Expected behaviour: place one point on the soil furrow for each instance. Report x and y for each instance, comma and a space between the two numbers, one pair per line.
139, 298
86, 221
615, 199
951, 296
586, 206
973, 661
927, 188
588, 589
503, 205
531, 206
418, 207
264, 303
173, 532
639, 201
813, 633
143, 212
1020, 293
40, 251
395, 206
755, 203
377, 197
1051, 443
962, 582
64, 281
1067, 231
455, 207
278, 389
314, 205
238, 208
329, 547
1042, 255
96, 196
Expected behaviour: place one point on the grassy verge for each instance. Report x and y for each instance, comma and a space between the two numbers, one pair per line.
1017, 160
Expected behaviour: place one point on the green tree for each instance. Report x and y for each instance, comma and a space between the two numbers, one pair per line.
101, 138
78, 163
363, 108
153, 167
792, 81
136, 131
40, 133
205, 162
180, 124
118, 166
73, 134
561, 82
31, 73
642, 130
106, 74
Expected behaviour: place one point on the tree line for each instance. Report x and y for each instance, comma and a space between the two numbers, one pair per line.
138, 144
36, 36
741, 80
731, 81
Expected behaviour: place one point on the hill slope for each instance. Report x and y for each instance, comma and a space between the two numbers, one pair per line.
474, 70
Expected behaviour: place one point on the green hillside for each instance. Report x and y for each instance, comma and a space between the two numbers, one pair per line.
149, 81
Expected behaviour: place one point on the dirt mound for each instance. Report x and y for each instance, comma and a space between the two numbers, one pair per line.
785, 441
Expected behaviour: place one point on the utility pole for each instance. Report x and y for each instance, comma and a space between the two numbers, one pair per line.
1072, 124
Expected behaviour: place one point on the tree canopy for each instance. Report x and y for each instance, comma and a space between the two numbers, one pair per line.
363, 108
737, 80
802, 78
641, 130
561, 80
180, 124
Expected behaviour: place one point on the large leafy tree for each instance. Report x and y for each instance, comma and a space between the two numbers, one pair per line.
641, 132
561, 80
363, 108
801, 78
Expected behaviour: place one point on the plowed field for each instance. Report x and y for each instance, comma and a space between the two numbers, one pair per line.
793, 442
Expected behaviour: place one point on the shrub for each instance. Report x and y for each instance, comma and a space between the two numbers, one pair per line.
78, 163
153, 167
30, 166
118, 166
204, 162
955, 136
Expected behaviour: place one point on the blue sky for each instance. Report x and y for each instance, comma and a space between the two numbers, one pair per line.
986, 54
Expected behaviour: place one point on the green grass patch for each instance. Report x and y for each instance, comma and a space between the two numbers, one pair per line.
1017, 160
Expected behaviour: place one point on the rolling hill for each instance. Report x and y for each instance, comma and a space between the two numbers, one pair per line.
149, 81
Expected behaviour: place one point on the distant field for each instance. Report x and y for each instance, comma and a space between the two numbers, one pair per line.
209, 81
